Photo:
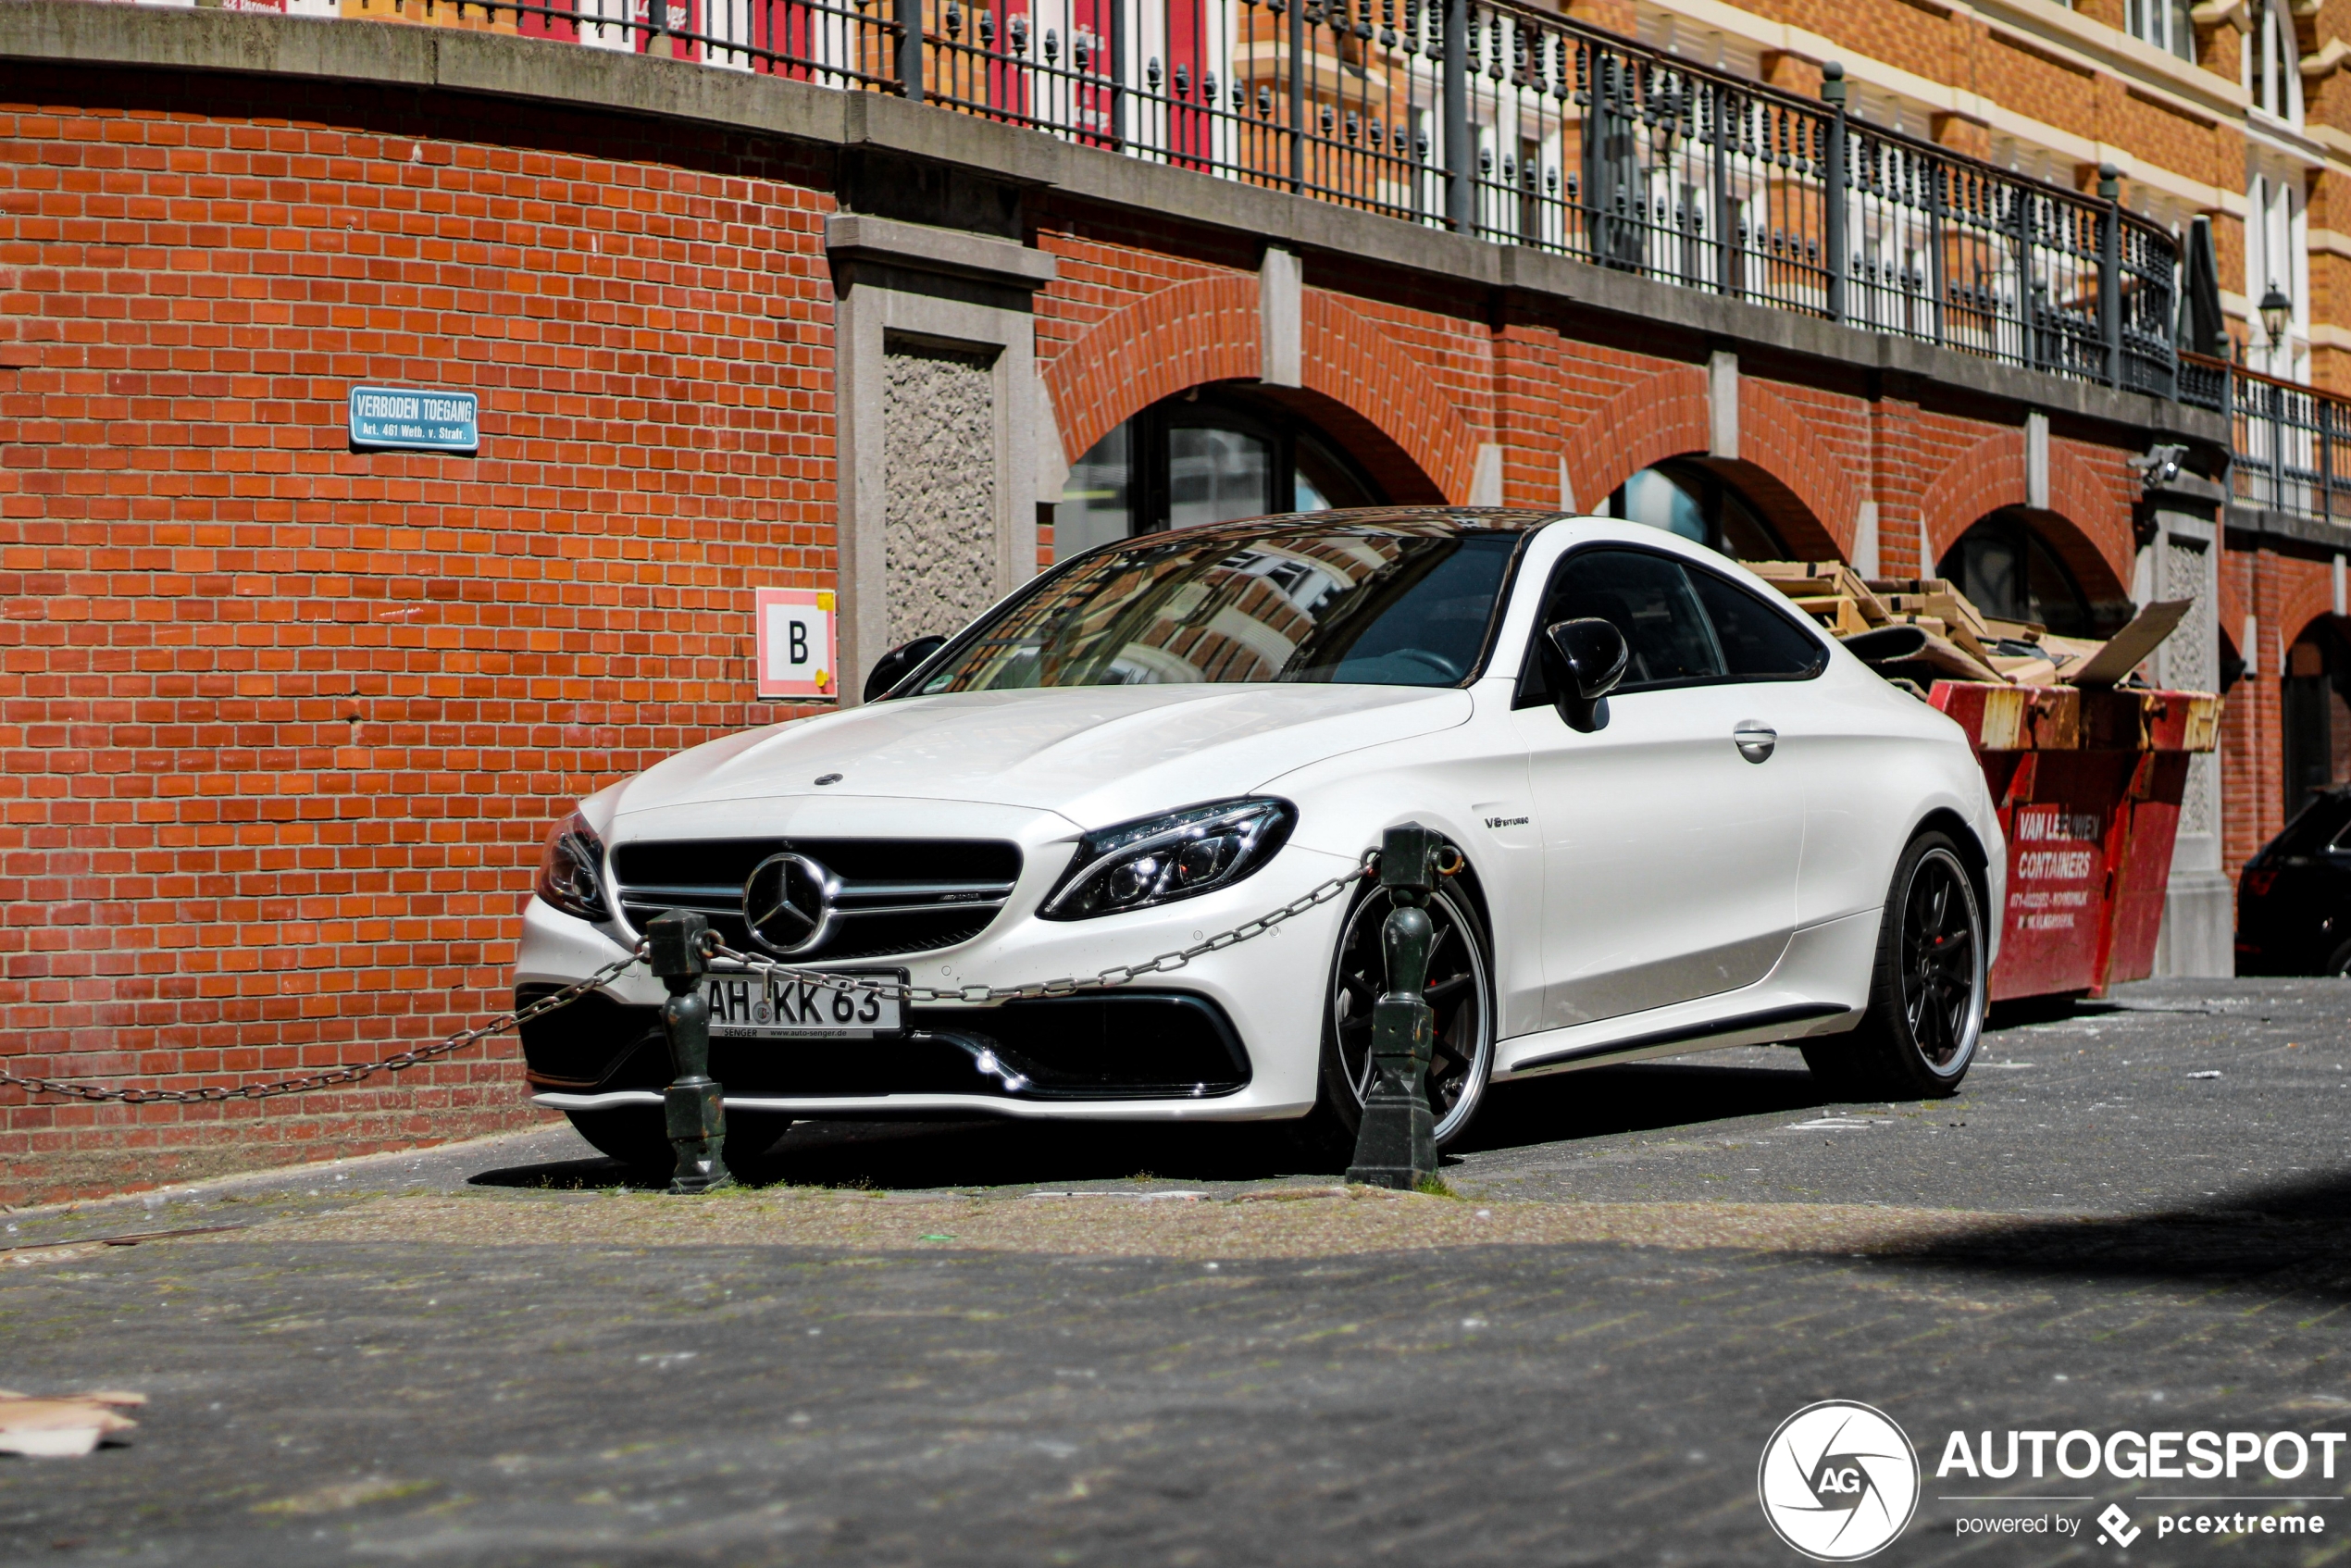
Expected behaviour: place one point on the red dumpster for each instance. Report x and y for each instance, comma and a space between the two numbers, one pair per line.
2089, 781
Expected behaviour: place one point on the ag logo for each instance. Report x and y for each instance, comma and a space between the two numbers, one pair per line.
1838, 1481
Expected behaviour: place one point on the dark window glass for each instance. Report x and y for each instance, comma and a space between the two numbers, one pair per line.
1649, 599
2009, 574
1205, 456
1759, 640
1689, 499
2316, 826
1361, 604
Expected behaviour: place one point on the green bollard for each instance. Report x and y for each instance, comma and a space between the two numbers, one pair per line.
1396, 1143
696, 1111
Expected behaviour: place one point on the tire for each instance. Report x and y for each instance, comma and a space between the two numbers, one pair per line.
2338, 962
1927, 989
1462, 989
637, 1137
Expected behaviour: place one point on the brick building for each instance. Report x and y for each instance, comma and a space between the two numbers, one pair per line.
286, 720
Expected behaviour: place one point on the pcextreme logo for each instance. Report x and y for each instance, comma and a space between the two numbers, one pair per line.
1838, 1481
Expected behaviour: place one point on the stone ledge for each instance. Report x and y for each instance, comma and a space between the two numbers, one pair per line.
2258, 525
80, 31
921, 248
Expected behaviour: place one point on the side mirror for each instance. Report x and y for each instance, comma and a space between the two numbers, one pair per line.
897, 664
1584, 660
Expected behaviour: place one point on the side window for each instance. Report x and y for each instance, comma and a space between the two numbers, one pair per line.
1649, 599
1759, 640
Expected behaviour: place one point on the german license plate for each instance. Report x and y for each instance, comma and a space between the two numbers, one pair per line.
766, 1005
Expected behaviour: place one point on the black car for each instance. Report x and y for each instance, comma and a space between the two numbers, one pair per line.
2293, 901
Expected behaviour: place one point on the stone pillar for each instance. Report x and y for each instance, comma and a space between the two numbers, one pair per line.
934, 352
2179, 519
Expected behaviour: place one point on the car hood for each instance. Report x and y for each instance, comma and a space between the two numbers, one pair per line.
1093, 754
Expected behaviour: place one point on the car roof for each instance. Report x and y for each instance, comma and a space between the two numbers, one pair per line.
1421, 519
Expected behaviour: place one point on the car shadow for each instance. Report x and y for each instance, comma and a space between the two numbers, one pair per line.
903, 1155
2286, 1239
1635, 1097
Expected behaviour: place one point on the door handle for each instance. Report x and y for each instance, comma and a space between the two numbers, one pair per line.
1754, 739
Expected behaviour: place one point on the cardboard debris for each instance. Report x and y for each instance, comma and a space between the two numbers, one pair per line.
1961, 642
1821, 579
1933, 597
2016, 631
1951, 661
2127, 649
63, 1425
1838, 616
2023, 671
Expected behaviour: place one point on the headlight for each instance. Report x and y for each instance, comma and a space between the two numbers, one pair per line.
1161, 859
571, 871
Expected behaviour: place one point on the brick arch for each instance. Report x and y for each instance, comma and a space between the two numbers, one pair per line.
2309, 602
1990, 476
1982, 479
1657, 416
1792, 479
1361, 387
1665, 415
1185, 335
1350, 358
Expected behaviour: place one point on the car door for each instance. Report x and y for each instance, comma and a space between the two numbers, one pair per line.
1670, 843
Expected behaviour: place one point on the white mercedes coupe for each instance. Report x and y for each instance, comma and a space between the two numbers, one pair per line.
1685, 818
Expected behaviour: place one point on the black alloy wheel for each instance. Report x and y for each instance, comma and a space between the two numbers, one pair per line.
1927, 992
1941, 954
1459, 989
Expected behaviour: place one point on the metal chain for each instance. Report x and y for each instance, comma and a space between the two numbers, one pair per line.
1103, 979
1116, 975
399, 1062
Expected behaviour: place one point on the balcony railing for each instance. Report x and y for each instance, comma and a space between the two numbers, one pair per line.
2291, 444
1493, 119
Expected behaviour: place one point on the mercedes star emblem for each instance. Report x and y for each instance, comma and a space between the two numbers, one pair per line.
788, 904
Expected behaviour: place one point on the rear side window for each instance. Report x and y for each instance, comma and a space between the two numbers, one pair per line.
1759, 640
1649, 599
2319, 826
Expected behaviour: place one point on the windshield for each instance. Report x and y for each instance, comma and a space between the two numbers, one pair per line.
1388, 603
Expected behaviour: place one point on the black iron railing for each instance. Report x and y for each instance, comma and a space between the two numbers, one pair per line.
2291, 444
1497, 121
1526, 128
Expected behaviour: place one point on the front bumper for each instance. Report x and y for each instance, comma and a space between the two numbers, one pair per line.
1235, 1035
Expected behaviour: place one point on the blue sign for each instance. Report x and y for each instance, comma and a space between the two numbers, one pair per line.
415, 419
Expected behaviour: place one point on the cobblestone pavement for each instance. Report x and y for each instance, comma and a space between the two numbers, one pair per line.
458, 1395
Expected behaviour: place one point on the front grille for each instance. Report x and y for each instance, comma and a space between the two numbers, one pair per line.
897, 895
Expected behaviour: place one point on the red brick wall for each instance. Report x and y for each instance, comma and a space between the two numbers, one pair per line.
284, 723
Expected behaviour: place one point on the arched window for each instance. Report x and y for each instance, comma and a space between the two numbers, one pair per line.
1207, 456
2012, 575
1687, 498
